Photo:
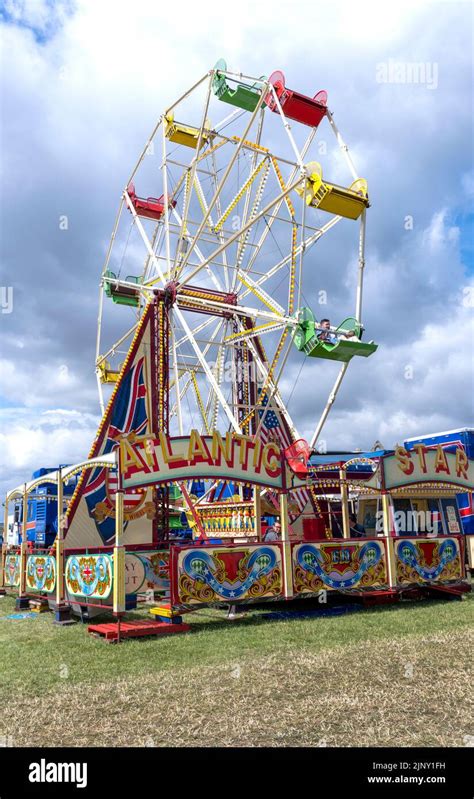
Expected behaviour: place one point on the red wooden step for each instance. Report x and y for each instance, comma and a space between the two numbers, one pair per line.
135, 629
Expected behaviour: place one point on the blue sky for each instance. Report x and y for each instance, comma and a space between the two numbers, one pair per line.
83, 84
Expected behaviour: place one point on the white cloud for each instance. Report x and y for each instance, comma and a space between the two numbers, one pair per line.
440, 233
32, 439
37, 385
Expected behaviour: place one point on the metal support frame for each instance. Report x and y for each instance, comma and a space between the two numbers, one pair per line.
192, 172
119, 558
161, 337
59, 545
329, 403
360, 273
286, 546
344, 504
223, 182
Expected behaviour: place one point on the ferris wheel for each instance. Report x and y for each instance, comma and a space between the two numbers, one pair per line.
220, 215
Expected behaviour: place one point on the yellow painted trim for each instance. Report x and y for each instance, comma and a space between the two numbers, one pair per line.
286, 554
119, 580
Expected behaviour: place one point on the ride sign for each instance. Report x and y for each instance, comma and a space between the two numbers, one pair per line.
146, 460
426, 465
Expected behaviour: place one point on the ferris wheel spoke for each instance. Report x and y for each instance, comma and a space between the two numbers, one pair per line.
253, 331
223, 179
197, 329
114, 346
342, 145
202, 202
269, 384
182, 393
190, 177
360, 277
207, 370
145, 150
274, 215
271, 394
176, 371
190, 301
166, 199
219, 211
145, 238
213, 399
233, 237
243, 241
287, 127
218, 375
200, 256
155, 245
329, 404
305, 246
200, 403
259, 194
246, 186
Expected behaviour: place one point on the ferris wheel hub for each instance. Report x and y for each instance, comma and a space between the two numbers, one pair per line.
170, 293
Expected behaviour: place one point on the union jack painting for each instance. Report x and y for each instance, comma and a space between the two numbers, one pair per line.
274, 427
129, 413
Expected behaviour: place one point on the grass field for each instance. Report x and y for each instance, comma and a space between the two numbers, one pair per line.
399, 675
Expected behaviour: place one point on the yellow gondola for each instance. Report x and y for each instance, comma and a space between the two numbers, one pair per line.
187, 134
332, 198
107, 374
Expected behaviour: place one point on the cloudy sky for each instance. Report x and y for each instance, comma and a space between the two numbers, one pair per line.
83, 82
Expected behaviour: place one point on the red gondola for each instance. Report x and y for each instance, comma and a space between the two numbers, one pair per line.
151, 207
307, 110
297, 457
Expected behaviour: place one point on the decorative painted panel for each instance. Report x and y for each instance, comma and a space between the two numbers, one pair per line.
228, 574
424, 560
147, 570
228, 520
89, 575
339, 565
41, 573
12, 570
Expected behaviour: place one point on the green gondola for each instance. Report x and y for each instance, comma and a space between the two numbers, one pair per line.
306, 340
243, 95
123, 295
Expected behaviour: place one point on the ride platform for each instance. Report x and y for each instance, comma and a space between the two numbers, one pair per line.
115, 631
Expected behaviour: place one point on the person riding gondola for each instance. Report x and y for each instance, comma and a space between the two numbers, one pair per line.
328, 337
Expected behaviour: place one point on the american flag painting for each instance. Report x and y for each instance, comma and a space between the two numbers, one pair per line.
274, 427
129, 413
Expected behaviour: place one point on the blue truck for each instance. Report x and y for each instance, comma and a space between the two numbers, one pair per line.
42, 519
